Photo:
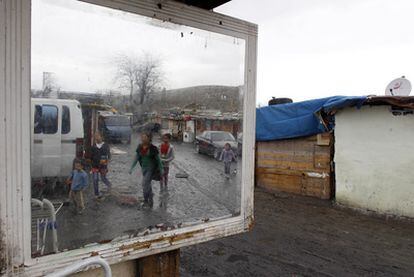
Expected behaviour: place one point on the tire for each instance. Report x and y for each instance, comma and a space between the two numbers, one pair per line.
216, 154
278, 101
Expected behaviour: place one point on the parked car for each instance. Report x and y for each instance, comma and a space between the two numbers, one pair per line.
57, 137
212, 143
115, 127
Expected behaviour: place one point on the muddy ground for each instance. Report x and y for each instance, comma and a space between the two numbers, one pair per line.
205, 194
299, 236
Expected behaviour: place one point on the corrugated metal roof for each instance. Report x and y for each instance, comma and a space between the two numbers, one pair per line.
204, 4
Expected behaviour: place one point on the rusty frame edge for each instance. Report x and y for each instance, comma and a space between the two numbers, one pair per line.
136, 248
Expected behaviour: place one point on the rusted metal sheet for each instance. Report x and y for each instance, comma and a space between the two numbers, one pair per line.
300, 166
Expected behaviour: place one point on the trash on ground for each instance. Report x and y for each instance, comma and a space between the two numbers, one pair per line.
181, 175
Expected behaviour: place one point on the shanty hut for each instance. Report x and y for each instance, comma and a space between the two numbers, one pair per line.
294, 146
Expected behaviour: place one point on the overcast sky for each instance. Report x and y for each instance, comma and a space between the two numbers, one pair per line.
307, 49
316, 48
78, 43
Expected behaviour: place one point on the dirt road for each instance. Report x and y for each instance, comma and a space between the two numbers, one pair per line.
298, 236
205, 194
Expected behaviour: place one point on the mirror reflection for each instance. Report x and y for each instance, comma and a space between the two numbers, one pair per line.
136, 125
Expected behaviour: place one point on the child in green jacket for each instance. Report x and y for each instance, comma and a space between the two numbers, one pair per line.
147, 156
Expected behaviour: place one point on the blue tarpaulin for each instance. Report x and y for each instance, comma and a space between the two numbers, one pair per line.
299, 119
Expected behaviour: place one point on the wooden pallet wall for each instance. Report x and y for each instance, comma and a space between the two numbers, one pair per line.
300, 166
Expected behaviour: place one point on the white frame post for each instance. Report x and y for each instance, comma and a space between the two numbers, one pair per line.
15, 193
15, 132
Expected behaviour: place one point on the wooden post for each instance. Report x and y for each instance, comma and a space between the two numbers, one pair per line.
161, 265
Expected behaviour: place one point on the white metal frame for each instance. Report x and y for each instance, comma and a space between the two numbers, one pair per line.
15, 194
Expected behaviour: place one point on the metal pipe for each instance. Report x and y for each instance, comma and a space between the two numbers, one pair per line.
82, 264
37, 234
53, 223
37, 202
38, 247
45, 222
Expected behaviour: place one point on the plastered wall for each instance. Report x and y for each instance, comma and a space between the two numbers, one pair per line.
374, 160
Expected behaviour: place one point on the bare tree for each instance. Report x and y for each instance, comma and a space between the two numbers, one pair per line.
126, 67
50, 87
148, 77
140, 75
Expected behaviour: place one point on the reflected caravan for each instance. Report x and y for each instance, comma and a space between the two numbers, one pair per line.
57, 137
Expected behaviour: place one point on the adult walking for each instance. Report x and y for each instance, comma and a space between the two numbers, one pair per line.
147, 155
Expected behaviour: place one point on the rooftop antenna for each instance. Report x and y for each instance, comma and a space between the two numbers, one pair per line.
399, 87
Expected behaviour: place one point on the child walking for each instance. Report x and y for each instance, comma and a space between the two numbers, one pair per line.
147, 156
227, 156
79, 181
101, 155
167, 155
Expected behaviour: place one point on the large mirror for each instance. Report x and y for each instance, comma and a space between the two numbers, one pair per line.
136, 125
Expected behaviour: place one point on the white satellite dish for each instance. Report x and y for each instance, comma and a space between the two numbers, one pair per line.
399, 87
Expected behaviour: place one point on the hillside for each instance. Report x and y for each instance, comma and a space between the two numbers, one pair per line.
224, 98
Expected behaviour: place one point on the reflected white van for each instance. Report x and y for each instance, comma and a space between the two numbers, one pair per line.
57, 137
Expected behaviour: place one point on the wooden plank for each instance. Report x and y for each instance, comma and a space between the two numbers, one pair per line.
271, 170
300, 184
318, 187
278, 156
323, 139
301, 145
308, 166
286, 183
309, 157
322, 161
301, 166
164, 264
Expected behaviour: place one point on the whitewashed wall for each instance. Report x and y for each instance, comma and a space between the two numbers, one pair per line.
374, 160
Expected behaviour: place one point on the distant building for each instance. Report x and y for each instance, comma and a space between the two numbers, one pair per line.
195, 122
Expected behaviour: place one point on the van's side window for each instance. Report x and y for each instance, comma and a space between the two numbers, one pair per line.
49, 119
38, 119
65, 120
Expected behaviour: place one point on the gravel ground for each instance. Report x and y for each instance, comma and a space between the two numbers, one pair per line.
299, 236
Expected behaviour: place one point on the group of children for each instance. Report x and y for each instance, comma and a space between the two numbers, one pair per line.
154, 162
78, 180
